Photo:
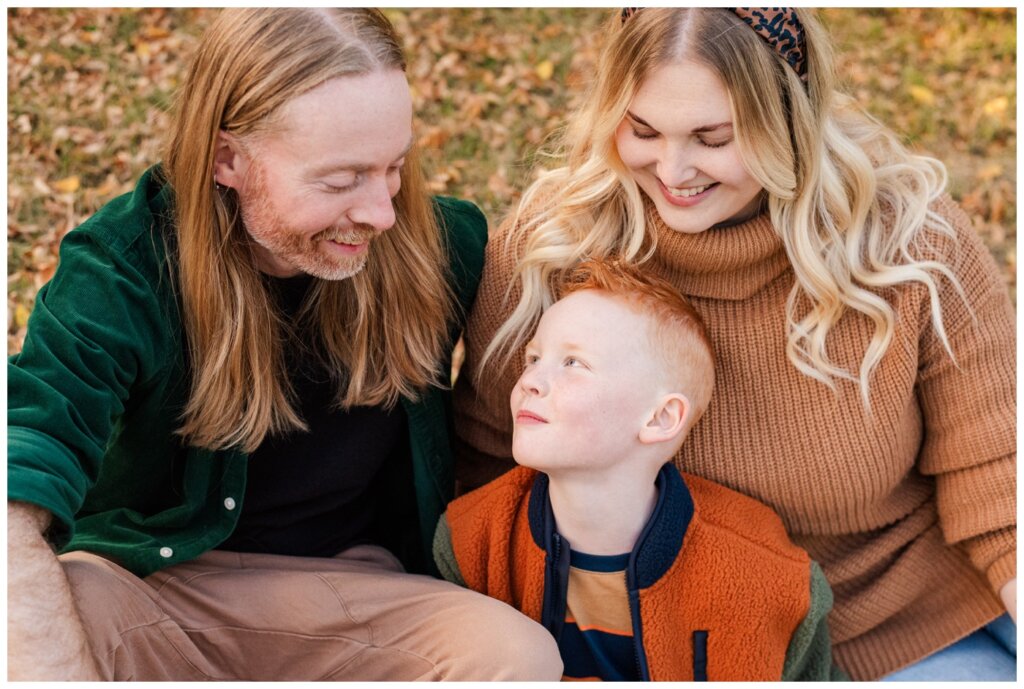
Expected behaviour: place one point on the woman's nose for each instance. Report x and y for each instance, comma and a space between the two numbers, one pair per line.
676, 166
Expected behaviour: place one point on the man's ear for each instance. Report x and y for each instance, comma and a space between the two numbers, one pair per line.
668, 419
230, 161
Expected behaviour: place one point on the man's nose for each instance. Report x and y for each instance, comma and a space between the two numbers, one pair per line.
375, 206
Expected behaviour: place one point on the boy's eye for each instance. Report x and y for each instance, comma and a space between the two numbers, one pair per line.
573, 361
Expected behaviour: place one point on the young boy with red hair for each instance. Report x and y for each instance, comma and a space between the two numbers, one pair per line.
639, 572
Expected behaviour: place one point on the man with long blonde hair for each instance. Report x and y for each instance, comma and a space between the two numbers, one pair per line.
229, 414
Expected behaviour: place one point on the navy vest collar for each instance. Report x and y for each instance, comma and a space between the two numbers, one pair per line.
659, 542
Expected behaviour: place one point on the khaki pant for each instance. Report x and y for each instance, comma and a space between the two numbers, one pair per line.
241, 616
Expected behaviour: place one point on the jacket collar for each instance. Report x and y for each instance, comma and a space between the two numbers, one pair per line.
659, 542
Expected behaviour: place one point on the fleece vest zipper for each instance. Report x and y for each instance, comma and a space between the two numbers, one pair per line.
556, 572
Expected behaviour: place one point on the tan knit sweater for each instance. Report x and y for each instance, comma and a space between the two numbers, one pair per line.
910, 511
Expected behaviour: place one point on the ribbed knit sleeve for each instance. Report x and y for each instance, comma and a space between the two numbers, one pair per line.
969, 409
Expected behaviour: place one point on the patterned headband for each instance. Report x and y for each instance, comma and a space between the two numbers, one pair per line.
778, 26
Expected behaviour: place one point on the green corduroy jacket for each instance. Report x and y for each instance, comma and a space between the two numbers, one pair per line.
96, 393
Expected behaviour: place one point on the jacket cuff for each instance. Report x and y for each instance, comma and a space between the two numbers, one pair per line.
1002, 570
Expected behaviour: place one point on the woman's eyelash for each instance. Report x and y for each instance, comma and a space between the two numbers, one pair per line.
645, 136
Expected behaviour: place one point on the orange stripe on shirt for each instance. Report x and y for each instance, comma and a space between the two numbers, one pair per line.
598, 601
595, 628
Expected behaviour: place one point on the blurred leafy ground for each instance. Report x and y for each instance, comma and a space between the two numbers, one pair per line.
88, 92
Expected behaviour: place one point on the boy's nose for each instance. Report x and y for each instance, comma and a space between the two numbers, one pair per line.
532, 383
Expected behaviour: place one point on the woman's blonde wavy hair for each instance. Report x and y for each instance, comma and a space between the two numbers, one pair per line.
382, 334
851, 204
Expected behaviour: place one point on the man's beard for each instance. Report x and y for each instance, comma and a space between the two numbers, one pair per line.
304, 252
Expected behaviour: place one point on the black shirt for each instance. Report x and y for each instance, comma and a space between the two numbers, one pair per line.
316, 493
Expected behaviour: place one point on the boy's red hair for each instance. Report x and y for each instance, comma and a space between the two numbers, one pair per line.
678, 335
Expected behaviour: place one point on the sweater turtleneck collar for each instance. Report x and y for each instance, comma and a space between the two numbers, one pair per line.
731, 263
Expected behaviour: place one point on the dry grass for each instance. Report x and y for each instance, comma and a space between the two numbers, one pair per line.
88, 92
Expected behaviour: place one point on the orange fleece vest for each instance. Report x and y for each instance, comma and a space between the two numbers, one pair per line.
735, 575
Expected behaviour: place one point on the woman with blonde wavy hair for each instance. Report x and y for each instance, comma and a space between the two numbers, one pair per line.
230, 415
864, 339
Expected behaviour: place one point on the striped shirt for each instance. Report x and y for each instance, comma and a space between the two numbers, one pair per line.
597, 640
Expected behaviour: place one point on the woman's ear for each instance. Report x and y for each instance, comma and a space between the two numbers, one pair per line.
230, 161
669, 419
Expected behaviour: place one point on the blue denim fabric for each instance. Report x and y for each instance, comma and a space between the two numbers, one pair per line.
987, 655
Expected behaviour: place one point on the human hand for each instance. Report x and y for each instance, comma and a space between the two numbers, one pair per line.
1009, 595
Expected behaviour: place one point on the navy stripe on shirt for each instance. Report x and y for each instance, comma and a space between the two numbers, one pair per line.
597, 639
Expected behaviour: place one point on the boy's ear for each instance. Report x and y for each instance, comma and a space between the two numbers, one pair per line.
668, 420
230, 161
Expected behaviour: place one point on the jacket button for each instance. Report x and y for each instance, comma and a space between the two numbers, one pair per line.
166, 552
229, 503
